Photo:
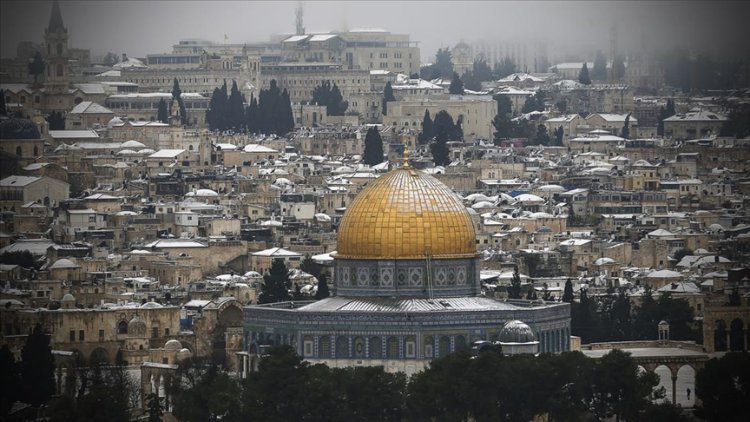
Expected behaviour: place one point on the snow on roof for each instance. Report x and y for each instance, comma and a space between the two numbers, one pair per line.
73, 134
278, 252
367, 30
13, 181
521, 76
562, 119
89, 88
509, 90
664, 274
89, 107
698, 116
110, 74
176, 243
167, 153
297, 38
257, 148
575, 242
610, 117
322, 37
131, 62
101, 196
132, 144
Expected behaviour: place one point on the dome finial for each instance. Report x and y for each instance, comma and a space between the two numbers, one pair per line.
406, 156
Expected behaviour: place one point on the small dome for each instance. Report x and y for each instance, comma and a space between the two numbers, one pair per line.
203, 192
516, 332
151, 305
184, 354
715, 228
527, 198
173, 345
68, 298
132, 144
604, 261
63, 263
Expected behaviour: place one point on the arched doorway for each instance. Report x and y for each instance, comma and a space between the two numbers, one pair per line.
665, 381
685, 381
98, 356
720, 336
229, 317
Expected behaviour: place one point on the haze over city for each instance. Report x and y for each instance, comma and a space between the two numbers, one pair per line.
139, 27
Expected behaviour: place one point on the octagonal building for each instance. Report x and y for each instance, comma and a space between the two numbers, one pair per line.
407, 287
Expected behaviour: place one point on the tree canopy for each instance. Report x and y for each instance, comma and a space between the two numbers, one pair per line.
387, 96
583, 75
457, 86
445, 130
330, 96
428, 131
599, 71
276, 284
162, 115
373, 147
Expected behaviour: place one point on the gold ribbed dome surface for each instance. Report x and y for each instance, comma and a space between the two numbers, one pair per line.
406, 214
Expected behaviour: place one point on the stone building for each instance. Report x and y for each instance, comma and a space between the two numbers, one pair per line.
477, 113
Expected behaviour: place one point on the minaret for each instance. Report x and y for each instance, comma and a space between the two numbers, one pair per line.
57, 79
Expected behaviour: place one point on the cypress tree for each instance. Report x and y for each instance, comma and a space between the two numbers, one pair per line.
285, 105
323, 291
542, 137
276, 284
428, 131
387, 96
37, 368
235, 114
626, 127
443, 127
599, 72
583, 75
252, 115
373, 147
177, 94
215, 110
457, 86
568, 292
10, 381
162, 114
514, 291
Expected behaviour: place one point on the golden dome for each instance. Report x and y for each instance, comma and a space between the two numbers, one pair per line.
406, 214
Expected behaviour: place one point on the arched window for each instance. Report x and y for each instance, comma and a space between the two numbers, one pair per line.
736, 340
376, 348
444, 346
342, 347
392, 349
122, 327
19, 152
36, 151
359, 347
429, 344
325, 347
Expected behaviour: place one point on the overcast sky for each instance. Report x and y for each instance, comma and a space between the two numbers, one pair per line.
144, 27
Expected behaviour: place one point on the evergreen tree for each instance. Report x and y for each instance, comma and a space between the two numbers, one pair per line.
567, 296
428, 131
177, 94
215, 112
542, 137
162, 114
330, 96
559, 134
373, 147
599, 72
287, 115
36, 68
252, 115
235, 113
276, 284
444, 128
670, 108
660, 123
626, 127
583, 75
3, 110
457, 87
387, 96
504, 106
514, 291
56, 121
10, 382
323, 291
443, 63
37, 368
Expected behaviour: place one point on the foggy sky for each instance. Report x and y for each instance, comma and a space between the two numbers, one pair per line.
147, 27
